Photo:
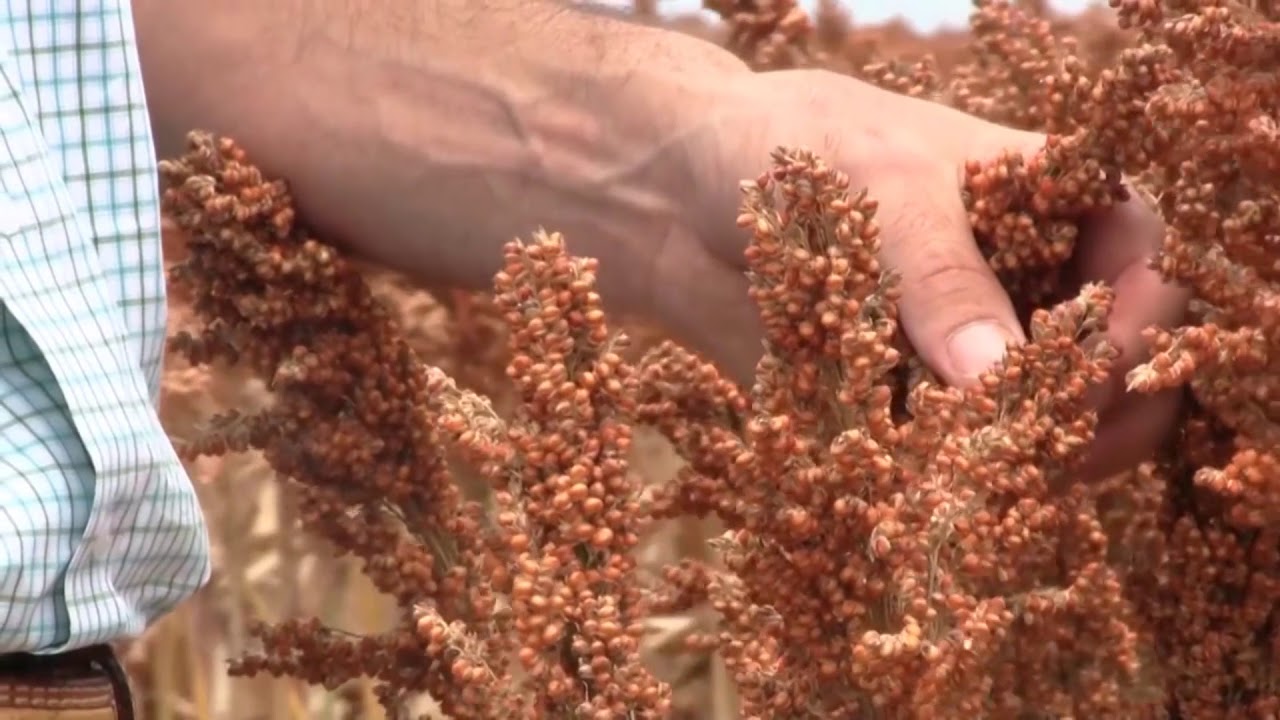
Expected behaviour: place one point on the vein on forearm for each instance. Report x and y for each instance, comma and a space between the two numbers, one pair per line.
497, 115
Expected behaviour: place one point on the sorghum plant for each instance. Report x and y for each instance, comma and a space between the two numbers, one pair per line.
894, 548
525, 609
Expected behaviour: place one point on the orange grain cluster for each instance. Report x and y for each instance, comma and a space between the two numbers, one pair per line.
894, 548
1187, 117
768, 34
526, 609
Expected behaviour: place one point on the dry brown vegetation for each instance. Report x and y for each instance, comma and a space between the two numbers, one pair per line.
520, 498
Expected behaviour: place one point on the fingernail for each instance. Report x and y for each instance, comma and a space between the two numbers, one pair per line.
974, 348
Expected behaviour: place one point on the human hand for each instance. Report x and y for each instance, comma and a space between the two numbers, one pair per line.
910, 154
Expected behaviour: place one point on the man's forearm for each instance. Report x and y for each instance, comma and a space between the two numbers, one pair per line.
494, 117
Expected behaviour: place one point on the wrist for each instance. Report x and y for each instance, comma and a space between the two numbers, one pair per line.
618, 153
838, 117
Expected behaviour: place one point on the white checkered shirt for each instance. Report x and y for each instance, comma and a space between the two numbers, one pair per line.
100, 529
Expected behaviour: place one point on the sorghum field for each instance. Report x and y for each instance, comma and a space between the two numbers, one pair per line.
512, 505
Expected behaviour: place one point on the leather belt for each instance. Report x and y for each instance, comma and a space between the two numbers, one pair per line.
85, 684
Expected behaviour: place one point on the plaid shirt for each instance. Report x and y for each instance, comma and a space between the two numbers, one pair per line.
100, 529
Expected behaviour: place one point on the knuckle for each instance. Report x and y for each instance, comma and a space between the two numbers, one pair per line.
945, 270
927, 241
947, 284
924, 210
944, 281
918, 226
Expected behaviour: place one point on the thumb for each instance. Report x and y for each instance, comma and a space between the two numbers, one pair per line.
954, 310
